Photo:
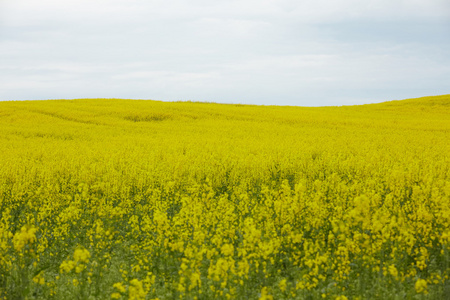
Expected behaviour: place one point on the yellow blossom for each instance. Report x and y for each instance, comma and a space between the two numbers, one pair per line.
136, 290
81, 255
39, 279
227, 249
421, 286
393, 271
120, 287
26, 235
265, 294
67, 266
283, 284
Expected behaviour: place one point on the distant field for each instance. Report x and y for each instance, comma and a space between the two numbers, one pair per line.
127, 199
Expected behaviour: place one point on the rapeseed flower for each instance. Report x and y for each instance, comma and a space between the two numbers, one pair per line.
136, 290
26, 236
81, 255
421, 286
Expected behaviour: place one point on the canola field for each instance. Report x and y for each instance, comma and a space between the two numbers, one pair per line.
127, 199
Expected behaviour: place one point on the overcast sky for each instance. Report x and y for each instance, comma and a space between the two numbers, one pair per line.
283, 52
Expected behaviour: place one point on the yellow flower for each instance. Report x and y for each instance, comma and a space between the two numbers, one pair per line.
341, 297
393, 271
265, 294
227, 249
39, 279
119, 286
80, 268
195, 280
421, 286
136, 290
115, 296
282, 285
67, 266
81, 255
26, 235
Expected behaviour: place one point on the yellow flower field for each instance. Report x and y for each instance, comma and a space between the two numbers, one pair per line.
127, 199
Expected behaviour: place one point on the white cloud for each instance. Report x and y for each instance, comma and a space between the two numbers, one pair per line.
267, 51
23, 12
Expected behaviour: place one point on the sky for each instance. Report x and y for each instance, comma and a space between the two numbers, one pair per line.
283, 52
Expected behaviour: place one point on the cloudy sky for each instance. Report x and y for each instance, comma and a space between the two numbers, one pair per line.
277, 52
